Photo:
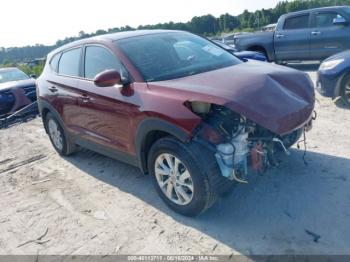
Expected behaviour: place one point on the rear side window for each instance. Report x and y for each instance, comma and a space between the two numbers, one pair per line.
69, 63
54, 62
297, 22
325, 19
97, 60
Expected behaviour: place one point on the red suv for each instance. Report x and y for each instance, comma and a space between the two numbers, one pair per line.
181, 108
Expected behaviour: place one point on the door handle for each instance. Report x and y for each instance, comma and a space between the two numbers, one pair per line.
85, 98
53, 89
279, 35
315, 32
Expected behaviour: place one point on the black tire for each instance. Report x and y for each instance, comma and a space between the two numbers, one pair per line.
345, 87
228, 189
68, 147
208, 184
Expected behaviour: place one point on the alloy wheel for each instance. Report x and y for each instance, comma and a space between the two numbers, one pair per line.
55, 134
174, 179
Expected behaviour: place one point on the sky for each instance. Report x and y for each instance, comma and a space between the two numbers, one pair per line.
33, 22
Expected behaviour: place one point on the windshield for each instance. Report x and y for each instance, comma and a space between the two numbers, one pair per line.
14, 74
347, 11
173, 55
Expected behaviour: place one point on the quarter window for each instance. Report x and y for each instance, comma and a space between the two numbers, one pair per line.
326, 19
54, 62
69, 62
99, 59
297, 22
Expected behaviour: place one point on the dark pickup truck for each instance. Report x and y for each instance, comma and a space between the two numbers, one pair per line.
313, 34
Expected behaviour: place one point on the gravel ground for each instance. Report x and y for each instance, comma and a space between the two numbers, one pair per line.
90, 204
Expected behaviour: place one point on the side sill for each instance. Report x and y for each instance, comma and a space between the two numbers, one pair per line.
107, 151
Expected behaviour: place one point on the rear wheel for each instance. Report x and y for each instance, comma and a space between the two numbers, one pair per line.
57, 136
185, 183
345, 90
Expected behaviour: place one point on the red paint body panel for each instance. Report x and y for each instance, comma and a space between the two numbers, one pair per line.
275, 97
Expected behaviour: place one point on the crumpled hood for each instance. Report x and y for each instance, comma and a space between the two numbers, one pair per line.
276, 97
20, 83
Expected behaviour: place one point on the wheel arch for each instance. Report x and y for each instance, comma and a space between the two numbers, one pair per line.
44, 109
149, 131
337, 90
257, 48
262, 48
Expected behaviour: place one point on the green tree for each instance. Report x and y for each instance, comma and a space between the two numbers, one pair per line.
228, 22
205, 25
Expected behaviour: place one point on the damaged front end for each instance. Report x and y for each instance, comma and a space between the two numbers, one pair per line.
238, 143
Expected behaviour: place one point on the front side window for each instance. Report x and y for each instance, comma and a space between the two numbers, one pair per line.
97, 60
297, 22
173, 55
12, 74
69, 63
325, 19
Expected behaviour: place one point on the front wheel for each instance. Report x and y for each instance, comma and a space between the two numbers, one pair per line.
345, 90
179, 178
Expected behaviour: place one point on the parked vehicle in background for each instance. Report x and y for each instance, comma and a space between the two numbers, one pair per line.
244, 55
229, 39
333, 77
177, 106
313, 34
17, 90
269, 28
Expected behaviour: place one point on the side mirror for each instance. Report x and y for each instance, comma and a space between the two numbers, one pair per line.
108, 78
33, 76
339, 21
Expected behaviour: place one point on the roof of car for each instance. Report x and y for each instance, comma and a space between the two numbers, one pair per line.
112, 37
128, 34
316, 9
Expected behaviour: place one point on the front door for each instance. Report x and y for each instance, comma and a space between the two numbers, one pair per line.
104, 111
292, 40
63, 86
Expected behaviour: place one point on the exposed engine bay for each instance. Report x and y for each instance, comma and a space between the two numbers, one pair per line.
238, 142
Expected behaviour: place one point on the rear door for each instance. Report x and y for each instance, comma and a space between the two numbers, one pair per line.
326, 37
104, 111
62, 86
292, 38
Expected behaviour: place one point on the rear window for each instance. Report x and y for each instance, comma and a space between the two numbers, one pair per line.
54, 62
297, 22
69, 63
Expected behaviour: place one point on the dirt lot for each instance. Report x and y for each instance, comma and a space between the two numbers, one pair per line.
90, 204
